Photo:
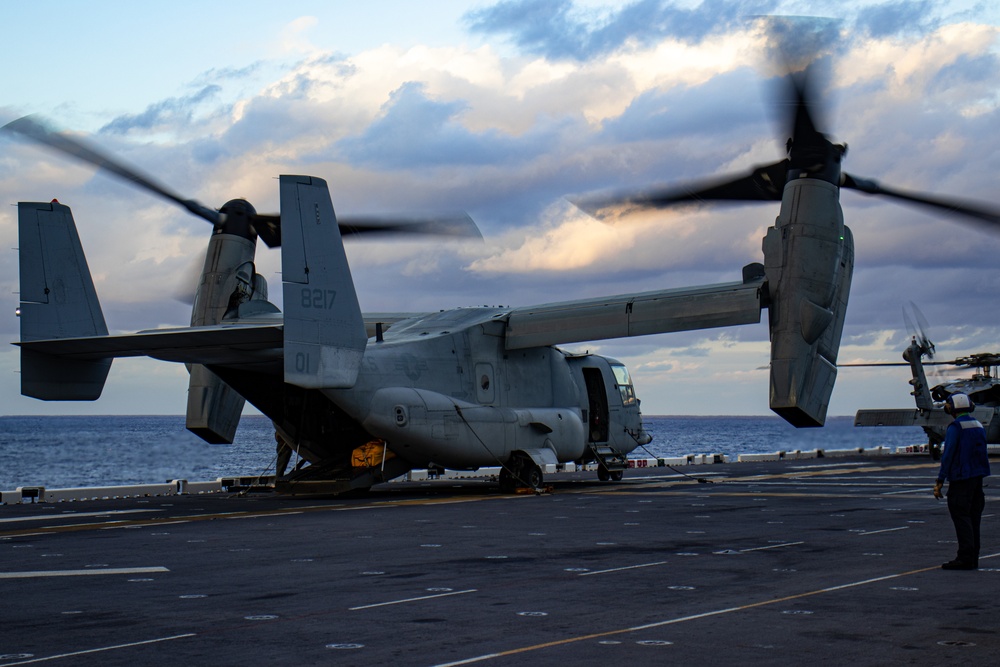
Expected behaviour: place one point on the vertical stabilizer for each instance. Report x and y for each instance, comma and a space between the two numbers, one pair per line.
58, 300
324, 331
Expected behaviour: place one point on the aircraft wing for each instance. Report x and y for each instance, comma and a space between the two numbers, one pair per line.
386, 320
662, 311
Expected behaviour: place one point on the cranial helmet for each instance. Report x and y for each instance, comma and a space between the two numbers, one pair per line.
957, 403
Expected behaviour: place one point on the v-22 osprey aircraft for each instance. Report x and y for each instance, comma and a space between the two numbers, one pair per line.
365, 398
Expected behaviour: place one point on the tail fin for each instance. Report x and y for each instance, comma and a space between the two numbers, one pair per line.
58, 300
324, 331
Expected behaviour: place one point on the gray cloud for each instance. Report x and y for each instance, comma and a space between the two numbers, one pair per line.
216, 74
557, 29
724, 106
415, 131
978, 69
171, 110
896, 18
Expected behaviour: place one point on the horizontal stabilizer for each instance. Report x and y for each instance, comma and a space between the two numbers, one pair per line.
218, 345
901, 417
914, 417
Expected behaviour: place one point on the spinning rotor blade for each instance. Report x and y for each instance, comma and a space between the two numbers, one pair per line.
919, 332
267, 226
764, 183
810, 153
979, 360
978, 212
29, 128
459, 224
972, 361
953, 362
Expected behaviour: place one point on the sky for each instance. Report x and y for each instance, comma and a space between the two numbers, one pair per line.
505, 109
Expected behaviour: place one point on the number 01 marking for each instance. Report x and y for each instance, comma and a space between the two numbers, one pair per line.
318, 298
301, 362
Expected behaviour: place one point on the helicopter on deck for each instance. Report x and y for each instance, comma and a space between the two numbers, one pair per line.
983, 387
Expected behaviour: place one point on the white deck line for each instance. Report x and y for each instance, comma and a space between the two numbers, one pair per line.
82, 573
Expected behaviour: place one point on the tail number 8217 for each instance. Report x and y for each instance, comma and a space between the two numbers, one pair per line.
318, 298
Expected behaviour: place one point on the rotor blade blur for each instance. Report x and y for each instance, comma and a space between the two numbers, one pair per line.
953, 362
458, 225
764, 183
186, 287
875, 363
922, 325
976, 211
803, 124
29, 128
268, 228
810, 153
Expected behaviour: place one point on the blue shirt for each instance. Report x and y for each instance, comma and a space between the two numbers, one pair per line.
964, 455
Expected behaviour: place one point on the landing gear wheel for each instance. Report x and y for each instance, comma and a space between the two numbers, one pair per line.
616, 475
532, 476
603, 474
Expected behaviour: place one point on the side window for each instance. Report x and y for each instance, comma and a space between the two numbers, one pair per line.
624, 383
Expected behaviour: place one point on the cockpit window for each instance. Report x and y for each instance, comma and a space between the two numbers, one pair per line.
624, 382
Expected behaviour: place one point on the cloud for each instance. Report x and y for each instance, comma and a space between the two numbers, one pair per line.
896, 18
577, 242
174, 110
683, 112
293, 37
216, 74
558, 29
414, 131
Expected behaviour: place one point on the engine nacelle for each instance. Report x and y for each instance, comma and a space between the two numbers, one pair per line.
213, 407
808, 261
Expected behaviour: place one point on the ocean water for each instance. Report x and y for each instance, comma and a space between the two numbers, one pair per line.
61, 452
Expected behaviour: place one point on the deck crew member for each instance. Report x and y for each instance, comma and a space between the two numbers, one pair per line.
964, 463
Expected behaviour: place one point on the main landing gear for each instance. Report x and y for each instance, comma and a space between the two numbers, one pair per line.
520, 472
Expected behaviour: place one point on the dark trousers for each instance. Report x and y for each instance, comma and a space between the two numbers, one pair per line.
965, 504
